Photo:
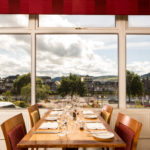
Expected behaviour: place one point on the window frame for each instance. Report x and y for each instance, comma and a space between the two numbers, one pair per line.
121, 29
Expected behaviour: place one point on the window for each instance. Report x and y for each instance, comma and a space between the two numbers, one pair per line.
56, 55
14, 20
138, 75
76, 21
93, 58
15, 71
139, 21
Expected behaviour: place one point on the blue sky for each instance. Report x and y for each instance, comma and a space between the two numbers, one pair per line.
59, 55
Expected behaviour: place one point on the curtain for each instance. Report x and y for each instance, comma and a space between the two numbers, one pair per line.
76, 7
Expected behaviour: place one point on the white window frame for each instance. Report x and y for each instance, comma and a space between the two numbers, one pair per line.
121, 29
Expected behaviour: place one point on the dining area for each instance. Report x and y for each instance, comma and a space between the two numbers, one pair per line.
71, 128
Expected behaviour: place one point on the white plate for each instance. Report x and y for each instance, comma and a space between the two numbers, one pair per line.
56, 113
91, 116
51, 118
103, 135
88, 112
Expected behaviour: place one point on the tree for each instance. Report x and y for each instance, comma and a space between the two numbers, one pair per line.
7, 96
22, 86
134, 85
26, 93
71, 85
20, 82
42, 91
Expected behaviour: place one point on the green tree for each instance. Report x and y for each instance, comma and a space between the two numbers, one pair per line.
71, 85
134, 85
20, 82
42, 91
7, 95
26, 93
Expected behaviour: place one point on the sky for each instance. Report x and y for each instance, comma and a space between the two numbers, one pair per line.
58, 55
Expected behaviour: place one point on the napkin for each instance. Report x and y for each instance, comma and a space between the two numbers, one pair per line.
94, 126
49, 125
87, 112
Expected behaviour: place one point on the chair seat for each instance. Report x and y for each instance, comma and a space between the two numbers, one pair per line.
15, 135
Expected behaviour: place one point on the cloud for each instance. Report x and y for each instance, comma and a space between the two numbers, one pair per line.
54, 21
14, 54
139, 21
63, 54
77, 21
14, 20
139, 67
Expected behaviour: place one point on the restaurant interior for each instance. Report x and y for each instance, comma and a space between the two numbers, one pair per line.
75, 74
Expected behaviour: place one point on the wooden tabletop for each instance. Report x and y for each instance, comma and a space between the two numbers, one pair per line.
76, 137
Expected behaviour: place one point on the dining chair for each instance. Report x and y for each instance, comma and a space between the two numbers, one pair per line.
129, 130
34, 114
14, 130
106, 113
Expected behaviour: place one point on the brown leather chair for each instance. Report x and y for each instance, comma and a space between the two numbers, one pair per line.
106, 113
14, 130
129, 130
34, 114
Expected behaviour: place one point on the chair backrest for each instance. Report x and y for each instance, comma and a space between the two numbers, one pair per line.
34, 114
106, 113
14, 130
129, 130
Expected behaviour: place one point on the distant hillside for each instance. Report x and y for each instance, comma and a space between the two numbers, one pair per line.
104, 78
56, 79
98, 78
145, 75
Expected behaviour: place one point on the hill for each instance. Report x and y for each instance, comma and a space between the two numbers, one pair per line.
56, 79
145, 75
106, 78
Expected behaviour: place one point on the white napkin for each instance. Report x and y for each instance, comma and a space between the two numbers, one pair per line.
49, 125
56, 113
88, 112
94, 126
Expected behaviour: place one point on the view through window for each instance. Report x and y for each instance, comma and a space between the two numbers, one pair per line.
79, 67
15, 71
138, 71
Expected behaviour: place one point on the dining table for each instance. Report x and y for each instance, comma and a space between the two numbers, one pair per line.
72, 133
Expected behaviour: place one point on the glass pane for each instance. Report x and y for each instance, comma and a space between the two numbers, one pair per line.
91, 59
139, 21
14, 20
15, 71
76, 21
138, 75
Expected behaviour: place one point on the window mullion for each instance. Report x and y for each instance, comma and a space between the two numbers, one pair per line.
121, 22
32, 25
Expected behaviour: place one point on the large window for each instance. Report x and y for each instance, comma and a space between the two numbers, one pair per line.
88, 48
93, 58
138, 71
15, 71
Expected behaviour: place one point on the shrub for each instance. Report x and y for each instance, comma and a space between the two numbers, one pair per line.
20, 104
